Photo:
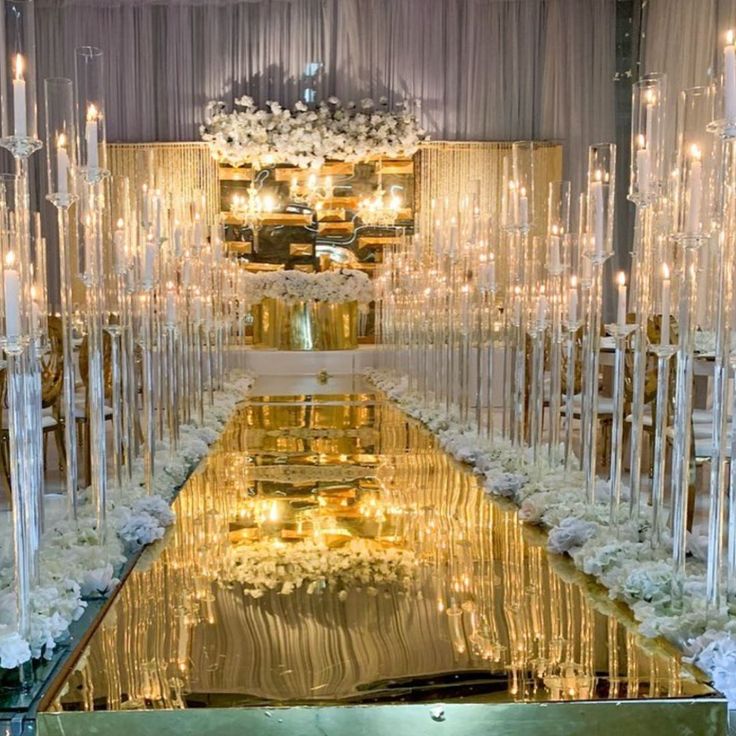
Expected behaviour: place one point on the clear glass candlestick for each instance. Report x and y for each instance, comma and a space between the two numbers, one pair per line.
620, 333
664, 355
61, 163
572, 326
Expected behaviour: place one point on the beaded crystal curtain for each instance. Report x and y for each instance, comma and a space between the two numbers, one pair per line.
450, 168
182, 169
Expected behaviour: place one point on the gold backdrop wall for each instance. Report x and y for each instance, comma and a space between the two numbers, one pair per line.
443, 168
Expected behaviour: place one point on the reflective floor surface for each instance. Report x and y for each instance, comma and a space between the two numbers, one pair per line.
327, 552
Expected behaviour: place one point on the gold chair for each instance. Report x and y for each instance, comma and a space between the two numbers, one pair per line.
52, 382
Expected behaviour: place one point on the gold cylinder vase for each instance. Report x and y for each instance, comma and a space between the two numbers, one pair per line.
278, 325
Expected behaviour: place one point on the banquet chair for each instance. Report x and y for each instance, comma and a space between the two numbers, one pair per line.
52, 381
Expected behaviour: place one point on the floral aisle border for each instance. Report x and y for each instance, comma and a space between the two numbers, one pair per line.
309, 136
331, 287
626, 565
76, 565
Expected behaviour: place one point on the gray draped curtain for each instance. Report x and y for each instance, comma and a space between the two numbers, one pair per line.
482, 69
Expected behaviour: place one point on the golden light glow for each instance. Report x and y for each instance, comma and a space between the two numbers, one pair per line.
729, 37
621, 278
18, 67
665, 272
10, 259
695, 153
61, 140
93, 114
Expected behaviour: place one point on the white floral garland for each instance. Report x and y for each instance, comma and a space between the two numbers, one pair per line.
331, 287
307, 137
74, 564
263, 566
627, 565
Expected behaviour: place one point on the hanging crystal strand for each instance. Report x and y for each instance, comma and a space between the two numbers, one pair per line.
693, 228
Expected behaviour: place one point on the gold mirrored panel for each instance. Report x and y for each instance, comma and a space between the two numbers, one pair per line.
328, 552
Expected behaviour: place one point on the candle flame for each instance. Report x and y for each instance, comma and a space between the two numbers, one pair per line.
621, 278
120, 223
61, 140
522, 191
695, 152
641, 141
598, 175
170, 285
665, 272
729, 37
18, 67
10, 258
573, 282
650, 97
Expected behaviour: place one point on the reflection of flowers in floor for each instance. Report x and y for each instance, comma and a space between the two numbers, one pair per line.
283, 567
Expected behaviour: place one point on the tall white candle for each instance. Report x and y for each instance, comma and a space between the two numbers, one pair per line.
20, 122
554, 251
11, 283
572, 301
523, 208
91, 138
144, 206
149, 260
643, 166
119, 243
197, 231
729, 78
695, 190
62, 165
541, 311
170, 303
158, 204
621, 315
665, 305
599, 231
186, 270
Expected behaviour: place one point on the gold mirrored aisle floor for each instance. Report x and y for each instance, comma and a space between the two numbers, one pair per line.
328, 552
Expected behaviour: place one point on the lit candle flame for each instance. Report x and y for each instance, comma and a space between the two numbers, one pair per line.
92, 114
729, 37
573, 282
695, 152
61, 140
10, 258
18, 67
621, 278
665, 272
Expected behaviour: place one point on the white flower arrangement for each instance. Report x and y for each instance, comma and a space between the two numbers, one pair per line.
331, 287
628, 565
268, 565
76, 565
308, 137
